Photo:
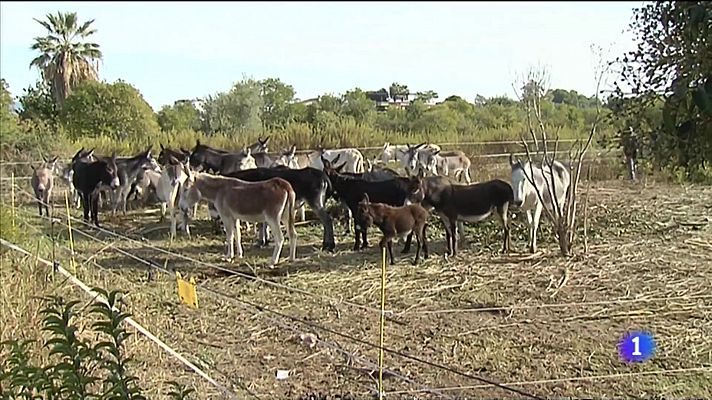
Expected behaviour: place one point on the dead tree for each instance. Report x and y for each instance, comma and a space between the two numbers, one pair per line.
537, 148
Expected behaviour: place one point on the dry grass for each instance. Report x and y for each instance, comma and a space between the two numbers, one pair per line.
648, 243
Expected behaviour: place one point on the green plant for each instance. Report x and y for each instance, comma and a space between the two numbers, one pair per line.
75, 368
178, 391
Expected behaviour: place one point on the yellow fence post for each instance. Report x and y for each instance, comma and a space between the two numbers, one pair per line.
71, 237
383, 322
186, 291
12, 198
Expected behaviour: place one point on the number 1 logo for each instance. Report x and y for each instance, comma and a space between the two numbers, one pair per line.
636, 347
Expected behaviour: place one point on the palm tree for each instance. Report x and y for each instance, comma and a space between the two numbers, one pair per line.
65, 60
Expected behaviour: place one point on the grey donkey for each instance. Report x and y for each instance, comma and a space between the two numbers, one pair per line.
42, 182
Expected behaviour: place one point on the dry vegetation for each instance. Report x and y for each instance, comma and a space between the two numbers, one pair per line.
541, 317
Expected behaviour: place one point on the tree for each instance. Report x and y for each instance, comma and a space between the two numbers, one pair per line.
181, 116
8, 117
357, 104
37, 104
65, 60
672, 63
116, 110
563, 215
426, 96
398, 91
276, 97
235, 111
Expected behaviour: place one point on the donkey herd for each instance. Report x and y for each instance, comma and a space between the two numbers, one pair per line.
253, 185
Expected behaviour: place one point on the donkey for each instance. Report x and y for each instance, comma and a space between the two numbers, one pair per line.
290, 158
235, 199
378, 175
310, 186
68, 173
129, 169
206, 158
260, 146
471, 203
396, 222
442, 163
350, 191
232, 162
414, 156
88, 178
527, 180
181, 155
400, 152
42, 182
167, 190
352, 159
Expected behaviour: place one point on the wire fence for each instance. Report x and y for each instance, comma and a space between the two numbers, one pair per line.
278, 317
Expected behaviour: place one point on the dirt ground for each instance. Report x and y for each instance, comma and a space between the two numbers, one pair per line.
541, 324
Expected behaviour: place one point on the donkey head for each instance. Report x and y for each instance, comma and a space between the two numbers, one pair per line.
414, 188
288, 158
111, 172
519, 180
189, 193
364, 213
50, 164
260, 146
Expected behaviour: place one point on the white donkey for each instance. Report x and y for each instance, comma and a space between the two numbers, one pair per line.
402, 154
351, 158
525, 193
168, 187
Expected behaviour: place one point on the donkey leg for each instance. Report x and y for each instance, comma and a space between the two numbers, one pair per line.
390, 251
87, 205
504, 219
530, 222
424, 240
467, 176
417, 247
164, 208
461, 233
278, 240
302, 213
453, 237
535, 227
238, 237
230, 239
328, 243
408, 240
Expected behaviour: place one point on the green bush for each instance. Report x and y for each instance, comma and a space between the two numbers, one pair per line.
76, 368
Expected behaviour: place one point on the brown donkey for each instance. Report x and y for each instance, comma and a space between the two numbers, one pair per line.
236, 200
396, 222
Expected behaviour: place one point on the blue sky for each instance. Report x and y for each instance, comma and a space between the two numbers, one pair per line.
185, 50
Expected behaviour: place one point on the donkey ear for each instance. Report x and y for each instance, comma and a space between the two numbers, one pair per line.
113, 155
264, 142
89, 153
338, 157
293, 150
54, 160
247, 151
511, 160
162, 148
420, 145
436, 152
186, 168
365, 198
